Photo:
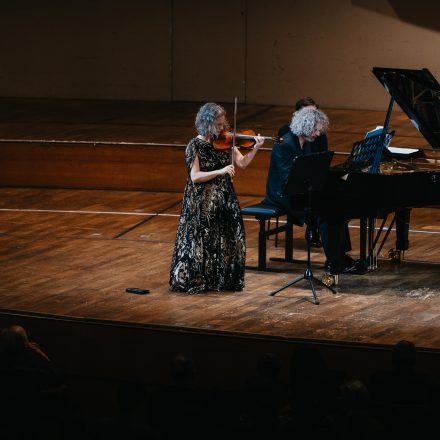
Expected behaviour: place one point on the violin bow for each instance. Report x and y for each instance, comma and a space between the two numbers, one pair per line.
234, 133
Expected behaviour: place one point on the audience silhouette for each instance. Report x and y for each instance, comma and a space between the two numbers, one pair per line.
318, 402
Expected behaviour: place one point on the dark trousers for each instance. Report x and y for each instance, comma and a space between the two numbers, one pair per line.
335, 239
334, 232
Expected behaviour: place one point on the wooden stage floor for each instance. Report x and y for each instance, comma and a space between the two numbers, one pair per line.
72, 253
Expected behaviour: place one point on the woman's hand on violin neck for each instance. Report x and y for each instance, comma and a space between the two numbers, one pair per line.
229, 169
259, 141
243, 161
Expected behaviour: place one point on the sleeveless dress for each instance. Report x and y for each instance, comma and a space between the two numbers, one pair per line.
209, 252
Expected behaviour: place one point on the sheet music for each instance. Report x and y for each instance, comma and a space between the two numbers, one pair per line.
399, 150
378, 130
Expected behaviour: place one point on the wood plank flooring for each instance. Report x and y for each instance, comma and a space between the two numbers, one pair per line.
72, 252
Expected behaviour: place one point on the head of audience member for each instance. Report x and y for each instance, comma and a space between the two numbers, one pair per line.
13, 339
354, 393
309, 123
404, 355
182, 370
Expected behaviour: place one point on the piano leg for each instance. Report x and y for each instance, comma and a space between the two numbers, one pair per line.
372, 257
402, 217
369, 241
402, 228
363, 267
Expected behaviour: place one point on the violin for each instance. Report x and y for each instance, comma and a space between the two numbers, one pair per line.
243, 139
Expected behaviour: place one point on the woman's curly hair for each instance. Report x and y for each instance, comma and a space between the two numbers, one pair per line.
206, 116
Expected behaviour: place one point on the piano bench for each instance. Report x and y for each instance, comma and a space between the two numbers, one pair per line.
263, 212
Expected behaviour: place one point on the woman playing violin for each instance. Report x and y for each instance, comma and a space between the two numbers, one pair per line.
209, 252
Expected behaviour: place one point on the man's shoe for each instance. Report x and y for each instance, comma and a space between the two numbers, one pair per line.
332, 268
349, 265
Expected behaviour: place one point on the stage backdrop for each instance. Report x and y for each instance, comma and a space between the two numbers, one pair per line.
262, 51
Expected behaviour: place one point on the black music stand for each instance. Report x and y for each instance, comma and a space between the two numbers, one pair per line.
308, 174
367, 153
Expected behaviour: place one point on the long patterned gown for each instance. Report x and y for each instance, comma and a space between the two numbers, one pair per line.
209, 253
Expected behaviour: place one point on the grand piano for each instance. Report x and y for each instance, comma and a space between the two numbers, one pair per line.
376, 181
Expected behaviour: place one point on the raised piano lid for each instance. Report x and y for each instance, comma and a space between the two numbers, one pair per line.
418, 94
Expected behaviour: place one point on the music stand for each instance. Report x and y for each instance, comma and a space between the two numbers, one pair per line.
368, 153
308, 174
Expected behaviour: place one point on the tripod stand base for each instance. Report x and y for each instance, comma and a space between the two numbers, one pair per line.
308, 275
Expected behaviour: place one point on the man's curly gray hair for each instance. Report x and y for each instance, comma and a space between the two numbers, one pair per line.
206, 116
305, 121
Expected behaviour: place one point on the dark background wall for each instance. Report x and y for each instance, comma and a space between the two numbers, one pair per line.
268, 52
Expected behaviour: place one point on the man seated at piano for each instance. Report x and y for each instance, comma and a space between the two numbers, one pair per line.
319, 144
306, 125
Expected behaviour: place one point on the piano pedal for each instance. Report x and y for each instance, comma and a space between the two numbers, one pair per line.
395, 255
330, 280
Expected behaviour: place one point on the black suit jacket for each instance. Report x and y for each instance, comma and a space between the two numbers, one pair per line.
281, 161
